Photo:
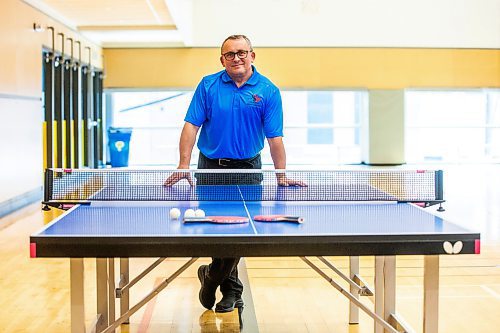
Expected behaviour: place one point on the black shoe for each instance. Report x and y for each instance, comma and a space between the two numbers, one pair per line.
207, 291
228, 303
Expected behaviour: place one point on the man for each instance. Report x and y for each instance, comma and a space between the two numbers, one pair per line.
236, 108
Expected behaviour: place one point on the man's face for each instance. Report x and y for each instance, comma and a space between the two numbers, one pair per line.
237, 67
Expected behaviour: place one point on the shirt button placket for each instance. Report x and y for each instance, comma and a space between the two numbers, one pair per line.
236, 100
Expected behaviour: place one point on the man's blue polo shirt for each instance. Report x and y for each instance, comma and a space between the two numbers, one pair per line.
235, 121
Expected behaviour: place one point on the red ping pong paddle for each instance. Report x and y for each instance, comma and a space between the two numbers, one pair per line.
217, 219
278, 218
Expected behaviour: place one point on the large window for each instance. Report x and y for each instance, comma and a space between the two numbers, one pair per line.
320, 127
156, 119
453, 126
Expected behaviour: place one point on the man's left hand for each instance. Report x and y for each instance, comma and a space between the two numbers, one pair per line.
284, 181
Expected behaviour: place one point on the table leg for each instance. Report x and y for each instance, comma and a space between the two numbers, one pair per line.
102, 294
77, 295
124, 279
379, 291
389, 287
431, 294
111, 289
385, 289
353, 308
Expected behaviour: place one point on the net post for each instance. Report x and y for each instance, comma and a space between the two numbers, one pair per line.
439, 184
47, 188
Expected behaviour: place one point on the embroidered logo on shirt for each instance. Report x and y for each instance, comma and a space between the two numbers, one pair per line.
256, 98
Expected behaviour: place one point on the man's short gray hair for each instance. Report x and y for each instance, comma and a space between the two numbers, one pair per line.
234, 37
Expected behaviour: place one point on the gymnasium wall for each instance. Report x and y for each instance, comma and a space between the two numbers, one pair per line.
311, 68
384, 72
21, 108
384, 46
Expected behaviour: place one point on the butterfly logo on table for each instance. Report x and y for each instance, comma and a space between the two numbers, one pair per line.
450, 248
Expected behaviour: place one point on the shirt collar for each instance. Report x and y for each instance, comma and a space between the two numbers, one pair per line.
253, 80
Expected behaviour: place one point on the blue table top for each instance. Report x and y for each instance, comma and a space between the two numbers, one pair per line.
340, 219
321, 218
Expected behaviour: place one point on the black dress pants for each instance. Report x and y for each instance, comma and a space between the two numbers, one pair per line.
224, 271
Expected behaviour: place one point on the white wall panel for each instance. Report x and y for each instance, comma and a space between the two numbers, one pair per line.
20, 146
353, 23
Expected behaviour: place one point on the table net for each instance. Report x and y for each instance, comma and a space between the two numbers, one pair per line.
87, 185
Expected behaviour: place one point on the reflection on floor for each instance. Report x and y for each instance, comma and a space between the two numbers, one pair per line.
287, 295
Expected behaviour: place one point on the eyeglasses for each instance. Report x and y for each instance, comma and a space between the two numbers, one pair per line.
241, 55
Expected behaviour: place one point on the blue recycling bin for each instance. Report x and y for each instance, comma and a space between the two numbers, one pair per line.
119, 144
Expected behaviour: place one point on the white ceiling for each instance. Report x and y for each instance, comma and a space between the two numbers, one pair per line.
282, 23
116, 22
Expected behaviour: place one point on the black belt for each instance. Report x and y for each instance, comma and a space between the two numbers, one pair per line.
227, 162
231, 161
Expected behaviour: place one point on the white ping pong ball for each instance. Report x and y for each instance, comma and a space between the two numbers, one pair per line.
199, 213
189, 213
175, 213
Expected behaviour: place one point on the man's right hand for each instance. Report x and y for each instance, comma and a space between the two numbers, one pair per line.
175, 177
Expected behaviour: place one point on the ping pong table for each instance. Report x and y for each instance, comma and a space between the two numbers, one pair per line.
367, 218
